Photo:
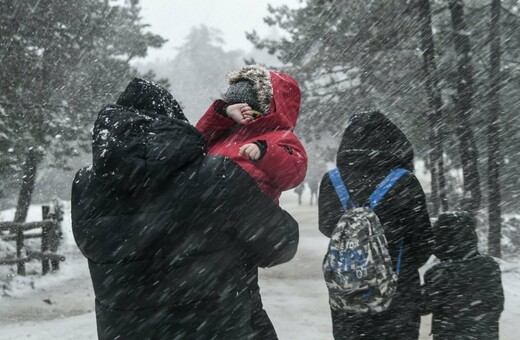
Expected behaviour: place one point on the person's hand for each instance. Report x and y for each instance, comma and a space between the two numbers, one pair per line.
251, 151
236, 112
249, 113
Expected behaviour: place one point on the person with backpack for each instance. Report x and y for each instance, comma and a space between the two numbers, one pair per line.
380, 232
464, 291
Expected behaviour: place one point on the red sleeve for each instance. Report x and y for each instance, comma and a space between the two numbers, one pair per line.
285, 161
213, 124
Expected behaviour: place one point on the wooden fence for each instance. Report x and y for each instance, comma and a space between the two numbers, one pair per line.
50, 239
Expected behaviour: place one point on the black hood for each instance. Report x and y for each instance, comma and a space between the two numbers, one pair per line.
371, 138
145, 95
455, 236
133, 149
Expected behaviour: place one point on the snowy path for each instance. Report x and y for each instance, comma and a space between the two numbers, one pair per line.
294, 294
61, 296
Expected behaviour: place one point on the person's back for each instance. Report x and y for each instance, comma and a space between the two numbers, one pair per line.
464, 292
166, 230
370, 148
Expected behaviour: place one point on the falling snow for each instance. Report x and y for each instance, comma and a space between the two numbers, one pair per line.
444, 72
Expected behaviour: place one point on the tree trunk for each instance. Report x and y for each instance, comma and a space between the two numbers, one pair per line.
493, 183
24, 200
32, 160
464, 107
435, 118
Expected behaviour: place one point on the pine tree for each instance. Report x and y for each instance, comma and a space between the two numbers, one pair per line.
350, 56
61, 60
355, 55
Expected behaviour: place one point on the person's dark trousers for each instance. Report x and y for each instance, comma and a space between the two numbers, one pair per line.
398, 324
261, 323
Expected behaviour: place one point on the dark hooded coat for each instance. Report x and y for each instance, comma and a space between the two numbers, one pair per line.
166, 229
371, 146
464, 292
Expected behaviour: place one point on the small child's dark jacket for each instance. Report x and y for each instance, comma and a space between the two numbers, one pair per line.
464, 292
465, 298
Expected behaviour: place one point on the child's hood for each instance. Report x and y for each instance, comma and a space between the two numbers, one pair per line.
278, 93
285, 105
455, 236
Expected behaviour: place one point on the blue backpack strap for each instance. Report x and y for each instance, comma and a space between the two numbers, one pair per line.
399, 258
380, 192
385, 186
341, 189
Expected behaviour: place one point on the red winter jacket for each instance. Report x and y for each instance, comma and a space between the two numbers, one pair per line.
284, 164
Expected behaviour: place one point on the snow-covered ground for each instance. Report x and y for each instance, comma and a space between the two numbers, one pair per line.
60, 306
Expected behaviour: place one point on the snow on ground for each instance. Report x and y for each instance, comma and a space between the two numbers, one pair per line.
509, 327
294, 293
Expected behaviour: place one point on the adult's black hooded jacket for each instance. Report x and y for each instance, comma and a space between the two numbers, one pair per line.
371, 146
167, 229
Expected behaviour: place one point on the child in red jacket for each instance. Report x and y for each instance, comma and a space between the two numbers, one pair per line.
253, 125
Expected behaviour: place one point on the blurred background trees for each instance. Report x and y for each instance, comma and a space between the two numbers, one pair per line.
443, 70
60, 61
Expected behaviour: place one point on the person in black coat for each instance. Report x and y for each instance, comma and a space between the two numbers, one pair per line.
371, 146
464, 292
167, 230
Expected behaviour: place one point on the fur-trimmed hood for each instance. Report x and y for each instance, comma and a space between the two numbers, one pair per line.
278, 94
260, 79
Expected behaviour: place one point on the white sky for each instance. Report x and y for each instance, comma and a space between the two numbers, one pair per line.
173, 19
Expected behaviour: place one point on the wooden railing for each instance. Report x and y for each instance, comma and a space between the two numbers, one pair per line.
50, 239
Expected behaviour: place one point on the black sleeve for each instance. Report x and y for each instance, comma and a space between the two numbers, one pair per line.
415, 219
262, 145
434, 291
267, 233
78, 200
329, 207
490, 282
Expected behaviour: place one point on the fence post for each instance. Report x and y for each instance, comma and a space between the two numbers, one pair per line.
54, 242
19, 247
51, 235
56, 232
45, 239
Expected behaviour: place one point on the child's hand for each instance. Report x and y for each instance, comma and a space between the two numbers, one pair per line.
236, 112
251, 151
249, 113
